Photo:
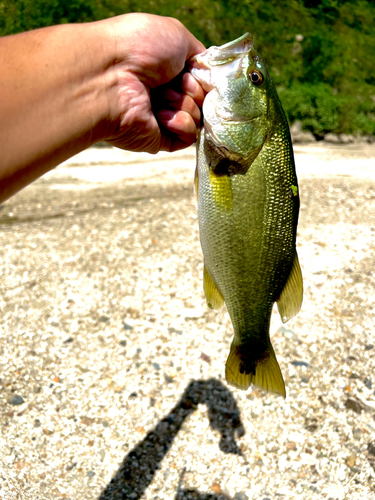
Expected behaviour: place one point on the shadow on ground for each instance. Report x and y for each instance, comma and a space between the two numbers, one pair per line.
139, 466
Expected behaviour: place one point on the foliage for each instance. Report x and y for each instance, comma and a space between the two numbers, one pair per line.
322, 111
320, 52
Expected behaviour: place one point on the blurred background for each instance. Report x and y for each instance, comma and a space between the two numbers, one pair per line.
320, 52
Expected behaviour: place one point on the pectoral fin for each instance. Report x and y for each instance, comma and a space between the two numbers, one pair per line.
266, 375
213, 296
290, 300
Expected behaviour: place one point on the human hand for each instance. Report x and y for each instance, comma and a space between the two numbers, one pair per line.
153, 106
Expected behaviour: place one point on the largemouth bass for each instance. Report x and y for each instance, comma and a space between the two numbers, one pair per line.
248, 204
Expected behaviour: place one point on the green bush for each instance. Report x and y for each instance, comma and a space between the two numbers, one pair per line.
323, 111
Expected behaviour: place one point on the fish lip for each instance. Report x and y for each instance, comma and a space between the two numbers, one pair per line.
201, 65
236, 49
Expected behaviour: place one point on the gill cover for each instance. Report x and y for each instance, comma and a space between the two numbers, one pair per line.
235, 109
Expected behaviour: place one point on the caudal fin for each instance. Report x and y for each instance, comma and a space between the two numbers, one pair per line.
267, 372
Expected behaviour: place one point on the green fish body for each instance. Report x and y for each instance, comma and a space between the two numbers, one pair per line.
248, 204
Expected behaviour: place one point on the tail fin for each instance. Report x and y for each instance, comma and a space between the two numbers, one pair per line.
267, 372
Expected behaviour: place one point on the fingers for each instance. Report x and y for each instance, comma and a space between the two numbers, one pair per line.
181, 102
183, 93
180, 124
192, 88
177, 109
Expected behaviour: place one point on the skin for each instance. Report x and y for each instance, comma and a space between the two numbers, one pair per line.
64, 88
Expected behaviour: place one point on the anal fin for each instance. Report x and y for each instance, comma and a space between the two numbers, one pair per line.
267, 375
290, 300
213, 296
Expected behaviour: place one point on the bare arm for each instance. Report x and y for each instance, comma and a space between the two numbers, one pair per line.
66, 87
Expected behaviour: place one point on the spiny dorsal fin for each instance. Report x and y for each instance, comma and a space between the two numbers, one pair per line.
290, 300
267, 376
213, 296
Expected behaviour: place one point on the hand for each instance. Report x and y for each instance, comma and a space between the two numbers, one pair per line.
66, 87
154, 106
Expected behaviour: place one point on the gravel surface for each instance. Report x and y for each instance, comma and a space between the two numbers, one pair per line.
111, 365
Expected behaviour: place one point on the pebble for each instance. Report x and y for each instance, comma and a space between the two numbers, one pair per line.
299, 363
368, 383
351, 460
16, 400
240, 496
357, 405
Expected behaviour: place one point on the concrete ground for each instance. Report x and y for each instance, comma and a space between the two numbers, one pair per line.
111, 366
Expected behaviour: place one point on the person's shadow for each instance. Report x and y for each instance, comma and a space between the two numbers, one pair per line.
139, 466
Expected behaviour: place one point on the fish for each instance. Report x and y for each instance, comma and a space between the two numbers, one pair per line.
248, 205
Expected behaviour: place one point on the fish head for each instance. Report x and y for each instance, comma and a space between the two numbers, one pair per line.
238, 107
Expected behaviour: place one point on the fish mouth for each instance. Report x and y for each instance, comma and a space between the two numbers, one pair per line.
231, 53
215, 56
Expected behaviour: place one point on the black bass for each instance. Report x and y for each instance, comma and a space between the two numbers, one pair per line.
248, 204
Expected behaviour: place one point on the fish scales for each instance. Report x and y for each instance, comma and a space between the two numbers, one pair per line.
248, 203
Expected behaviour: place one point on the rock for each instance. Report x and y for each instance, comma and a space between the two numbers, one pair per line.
16, 400
205, 357
332, 138
87, 420
357, 433
291, 445
351, 460
216, 487
168, 379
371, 448
240, 496
299, 363
299, 135
357, 405
346, 139
311, 424
368, 383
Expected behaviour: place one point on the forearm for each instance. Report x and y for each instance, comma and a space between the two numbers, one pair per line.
54, 96
66, 87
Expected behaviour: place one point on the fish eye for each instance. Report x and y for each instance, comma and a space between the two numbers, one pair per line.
256, 78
